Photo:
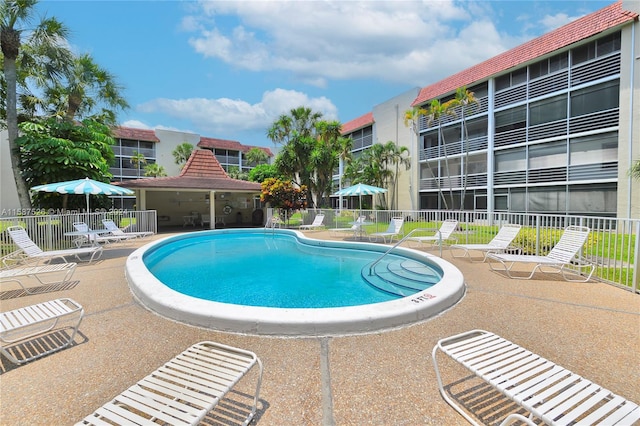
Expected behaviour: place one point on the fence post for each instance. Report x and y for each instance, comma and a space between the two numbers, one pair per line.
636, 259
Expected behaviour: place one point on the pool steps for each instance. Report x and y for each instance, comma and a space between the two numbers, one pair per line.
400, 277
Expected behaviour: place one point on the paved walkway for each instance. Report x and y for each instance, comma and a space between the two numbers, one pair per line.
384, 378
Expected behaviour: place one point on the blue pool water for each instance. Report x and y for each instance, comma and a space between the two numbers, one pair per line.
270, 270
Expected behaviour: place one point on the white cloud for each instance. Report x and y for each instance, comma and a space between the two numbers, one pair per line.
136, 124
551, 22
224, 115
409, 42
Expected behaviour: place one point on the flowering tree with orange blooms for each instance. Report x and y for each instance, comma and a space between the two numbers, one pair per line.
283, 195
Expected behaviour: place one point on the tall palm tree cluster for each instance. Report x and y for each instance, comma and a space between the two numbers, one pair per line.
313, 149
436, 113
44, 85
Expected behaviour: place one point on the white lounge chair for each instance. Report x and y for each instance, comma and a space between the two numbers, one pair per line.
19, 325
355, 229
500, 243
92, 238
113, 228
317, 223
563, 257
183, 390
65, 270
441, 235
546, 390
29, 249
393, 231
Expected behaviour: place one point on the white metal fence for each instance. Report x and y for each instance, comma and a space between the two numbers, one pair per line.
613, 245
48, 231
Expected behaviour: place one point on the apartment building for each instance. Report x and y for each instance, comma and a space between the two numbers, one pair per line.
157, 146
555, 127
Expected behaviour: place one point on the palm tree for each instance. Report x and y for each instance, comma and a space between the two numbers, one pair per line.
396, 157
256, 156
85, 87
635, 170
297, 133
45, 41
436, 112
154, 170
137, 159
329, 149
182, 153
464, 98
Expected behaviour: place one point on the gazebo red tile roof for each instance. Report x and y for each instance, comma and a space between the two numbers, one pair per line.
202, 171
215, 143
358, 123
604, 19
135, 134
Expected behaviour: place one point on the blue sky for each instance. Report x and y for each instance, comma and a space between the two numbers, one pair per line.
228, 69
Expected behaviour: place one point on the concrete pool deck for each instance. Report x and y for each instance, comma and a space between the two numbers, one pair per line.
384, 378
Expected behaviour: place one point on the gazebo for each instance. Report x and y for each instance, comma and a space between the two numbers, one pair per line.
202, 194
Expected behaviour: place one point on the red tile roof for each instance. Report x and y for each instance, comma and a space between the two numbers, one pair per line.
202, 171
135, 134
609, 17
358, 123
215, 143
202, 163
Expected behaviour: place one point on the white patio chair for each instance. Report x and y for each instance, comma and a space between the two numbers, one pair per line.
393, 231
31, 250
443, 234
113, 228
499, 244
563, 258
317, 223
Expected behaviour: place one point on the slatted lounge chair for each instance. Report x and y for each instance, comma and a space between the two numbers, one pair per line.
547, 391
183, 390
563, 257
499, 244
15, 274
393, 231
443, 234
92, 239
29, 249
317, 223
355, 228
19, 325
113, 228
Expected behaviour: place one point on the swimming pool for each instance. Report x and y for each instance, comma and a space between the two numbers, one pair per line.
160, 288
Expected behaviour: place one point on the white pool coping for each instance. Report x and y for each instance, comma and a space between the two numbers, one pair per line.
159, 298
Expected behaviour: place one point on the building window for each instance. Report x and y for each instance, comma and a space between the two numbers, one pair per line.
514, 78
596, 48
594, 149
511, 119
511, 160
549, 65
548, 155
596, 98
547, 110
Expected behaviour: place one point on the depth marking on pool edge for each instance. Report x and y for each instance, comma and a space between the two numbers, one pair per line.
325, 383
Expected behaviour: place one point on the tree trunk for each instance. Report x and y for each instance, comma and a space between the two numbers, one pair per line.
12, 130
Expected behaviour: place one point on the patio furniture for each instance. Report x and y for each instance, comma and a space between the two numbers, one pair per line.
15, 274
29, 249
393, 231
19, 325
355, 229
563, 257
547, 391
96, 236
317, 223
441, 235
113, 228
183, 390
499, 244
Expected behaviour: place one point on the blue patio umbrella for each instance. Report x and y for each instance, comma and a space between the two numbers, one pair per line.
360, 189
83, 186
